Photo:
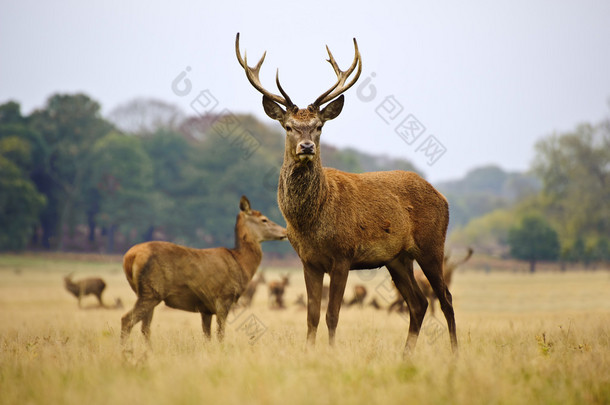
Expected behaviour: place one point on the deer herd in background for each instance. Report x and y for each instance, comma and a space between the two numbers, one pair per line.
276, 290
336, 222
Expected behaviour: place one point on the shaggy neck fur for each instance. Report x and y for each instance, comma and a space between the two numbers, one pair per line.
302, 191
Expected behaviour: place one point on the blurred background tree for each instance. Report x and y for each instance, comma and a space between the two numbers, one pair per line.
575, 172
74, 180
69, 126
533, 240
20, 201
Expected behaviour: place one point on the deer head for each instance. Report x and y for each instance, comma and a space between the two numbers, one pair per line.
259, 226
303, 126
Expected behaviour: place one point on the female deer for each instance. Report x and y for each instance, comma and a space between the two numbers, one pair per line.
207, 281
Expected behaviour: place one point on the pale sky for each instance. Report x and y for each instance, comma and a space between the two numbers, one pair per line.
484, 79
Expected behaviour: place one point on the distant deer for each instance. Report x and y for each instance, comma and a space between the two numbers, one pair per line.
375, 304
300, 302
276, 292
359, 296
207, 281
80, 288
422, 281
340, 221
246, 298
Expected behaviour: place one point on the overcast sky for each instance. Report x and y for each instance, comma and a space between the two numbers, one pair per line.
447, 85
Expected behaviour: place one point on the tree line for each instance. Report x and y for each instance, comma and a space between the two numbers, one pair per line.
565, 216
71, 179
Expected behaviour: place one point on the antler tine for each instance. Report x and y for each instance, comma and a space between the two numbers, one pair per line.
332, 61
340, 87
252, 75
279, 86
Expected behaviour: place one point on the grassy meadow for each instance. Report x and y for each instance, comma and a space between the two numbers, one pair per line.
542, 338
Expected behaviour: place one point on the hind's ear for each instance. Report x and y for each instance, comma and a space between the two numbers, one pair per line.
244, 205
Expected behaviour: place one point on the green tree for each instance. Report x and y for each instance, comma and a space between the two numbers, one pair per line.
577, 252
175, 179
483, 190
533, 240
69, 126
575, 171
488, 234
601, 250
20, 202
122, 178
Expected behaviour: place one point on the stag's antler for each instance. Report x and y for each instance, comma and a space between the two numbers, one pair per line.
252, 75
340, 87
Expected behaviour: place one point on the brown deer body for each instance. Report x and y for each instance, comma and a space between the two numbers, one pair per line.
340, 221
80, 288
300, 302
207, 281
359, 296
246, 298
276, 292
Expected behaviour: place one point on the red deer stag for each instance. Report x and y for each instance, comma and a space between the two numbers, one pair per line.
340, 221
276, 292
207, 281
80, 288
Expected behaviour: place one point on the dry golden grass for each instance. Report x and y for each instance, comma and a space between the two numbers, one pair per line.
524, 339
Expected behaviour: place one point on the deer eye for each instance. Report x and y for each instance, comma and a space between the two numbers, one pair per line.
265, 220
319, 128
288, 128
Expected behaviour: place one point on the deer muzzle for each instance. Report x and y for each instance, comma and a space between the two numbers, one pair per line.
306, 150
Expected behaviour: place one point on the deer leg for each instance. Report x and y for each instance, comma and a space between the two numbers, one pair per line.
146, 320
221, 322
222, 311
313, 285
140, 310
338, 279
206, 322
401, 271
432, 267
432, 306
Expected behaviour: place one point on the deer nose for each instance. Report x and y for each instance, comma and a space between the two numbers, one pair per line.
307, 148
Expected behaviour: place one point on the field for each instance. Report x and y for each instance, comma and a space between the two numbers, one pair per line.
542, 338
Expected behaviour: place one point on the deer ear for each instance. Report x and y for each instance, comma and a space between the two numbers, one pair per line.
244, 205
272, 109
332, 110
